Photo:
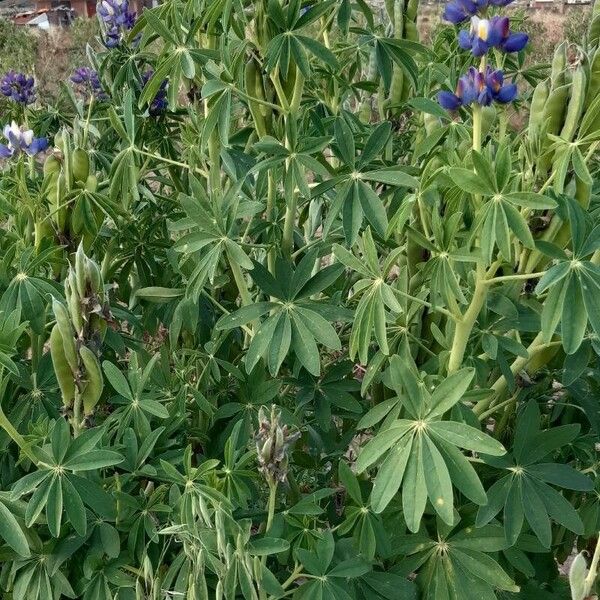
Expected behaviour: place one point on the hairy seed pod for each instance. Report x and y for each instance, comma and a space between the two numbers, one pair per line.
95, 383
91, 183
74, 302
62, 370
536, 111
594, 79
66, 331
575, 108
81, 271
254, 88
51, 165
559, 65
412, 8
80, 165
93, 275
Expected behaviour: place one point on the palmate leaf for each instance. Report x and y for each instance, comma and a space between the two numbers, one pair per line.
572, 285
456, 565
524, 494
295, 321
420, 452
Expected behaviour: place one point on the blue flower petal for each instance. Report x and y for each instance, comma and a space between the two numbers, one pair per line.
507, 93
38, 145
448, 100
515, 42
5, 151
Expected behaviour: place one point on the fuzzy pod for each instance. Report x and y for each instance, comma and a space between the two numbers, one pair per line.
91, 183
594, 79
51, 165
559, 65
412, 8
81, 272
594, 26
80, 165
66, 330
536, 111
74, 302
77, 223
396, 88
251, 77
95, 383
62, 370
94, 276
575, 107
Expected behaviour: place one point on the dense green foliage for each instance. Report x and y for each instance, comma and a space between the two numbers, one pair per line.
275, 324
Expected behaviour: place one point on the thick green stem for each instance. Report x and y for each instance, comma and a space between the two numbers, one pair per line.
16, 437
591, 576
76, 420
287, 242
464, 326
499, 387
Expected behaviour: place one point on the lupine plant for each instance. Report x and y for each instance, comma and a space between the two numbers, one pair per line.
295, 306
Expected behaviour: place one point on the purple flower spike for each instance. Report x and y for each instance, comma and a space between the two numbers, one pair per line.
21, 140
496, 89
117, 19
459, 11
18, 87
491, 33
477, 87
88, 83
159, 103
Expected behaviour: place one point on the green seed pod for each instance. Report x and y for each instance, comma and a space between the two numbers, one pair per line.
81, 164
594, 79
66, 331
411, 32
59, 140
254, 88
95, 383
77, 218
62, 370
91, 183
74, 302
412, 7
81, 271
555, 108
51, 165
94, 276
536, 112
396, 88
559, 64
594, 28
575, 108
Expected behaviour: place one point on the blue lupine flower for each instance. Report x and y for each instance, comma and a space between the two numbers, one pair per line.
88, 83
117, 18
458, 11
18, 87
21, 140
491, 33
479, 87
495, 88
159, 103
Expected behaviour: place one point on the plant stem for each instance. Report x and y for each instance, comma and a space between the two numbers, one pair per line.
271, 505
16, 437
76, 419
591, 576
499, 387
465, 325
515, 277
